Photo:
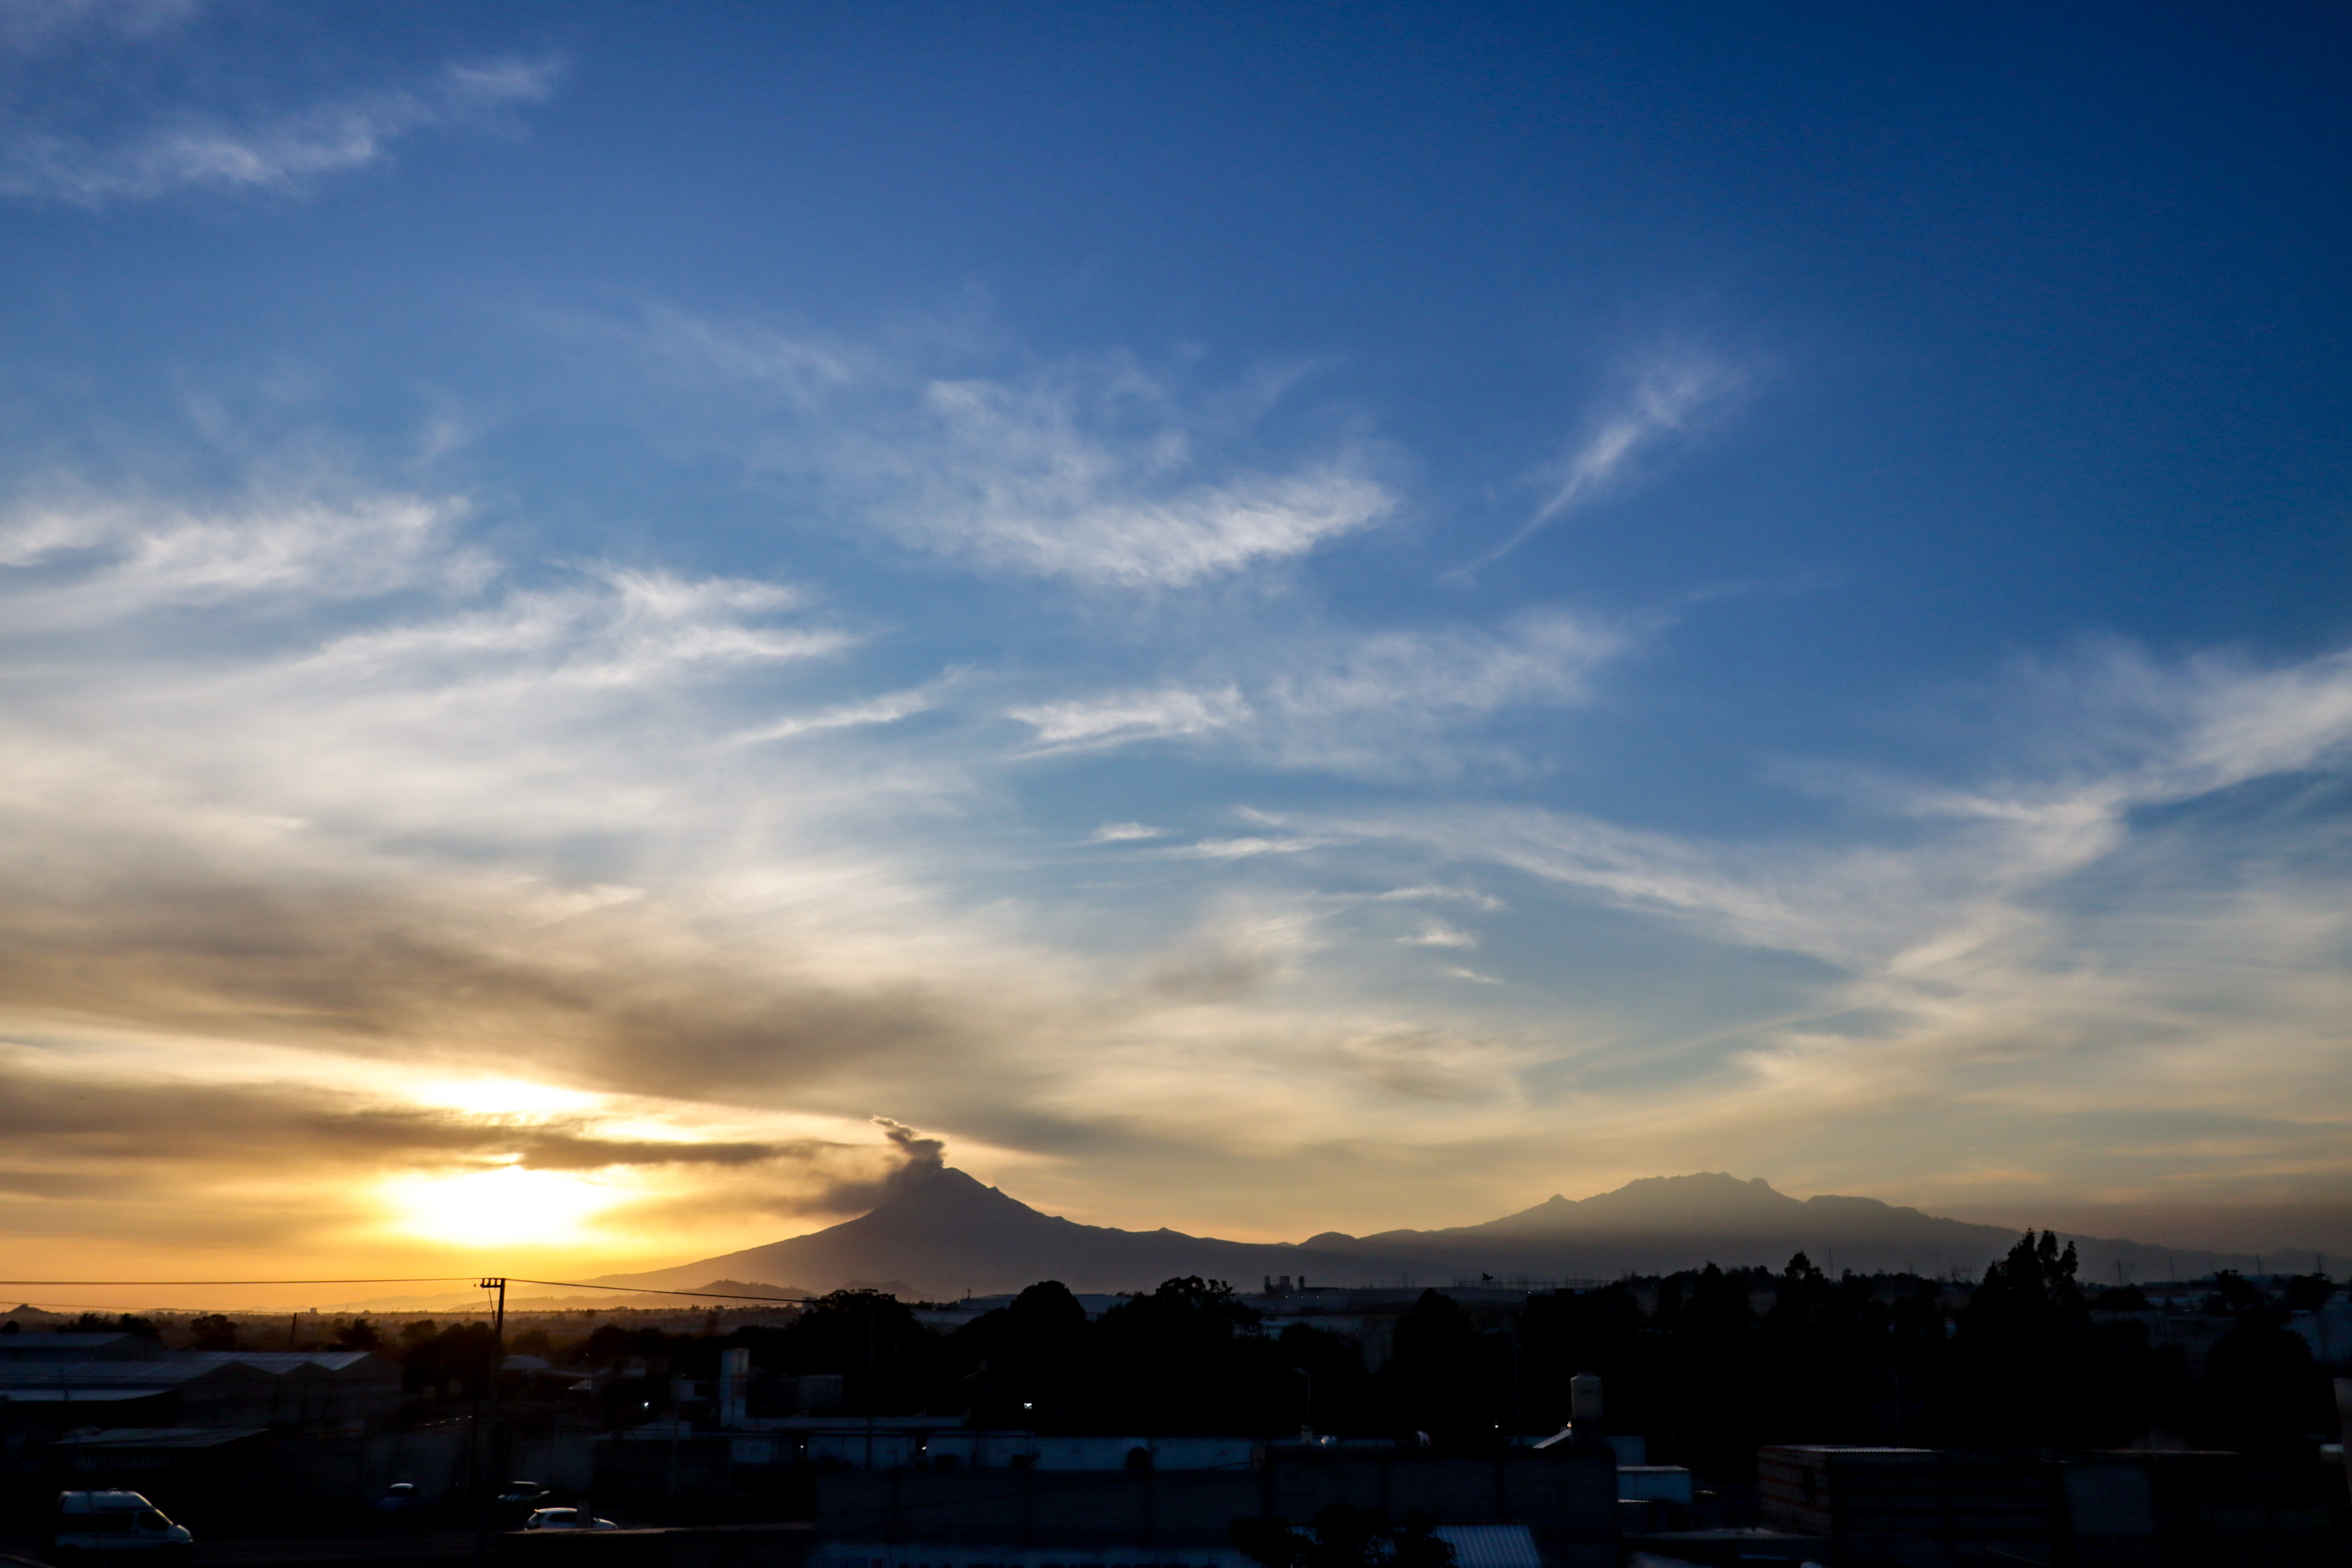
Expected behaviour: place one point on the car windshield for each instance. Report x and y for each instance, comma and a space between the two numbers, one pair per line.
560, 1516
152, 1519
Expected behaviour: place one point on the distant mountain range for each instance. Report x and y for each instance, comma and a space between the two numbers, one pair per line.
939, 1233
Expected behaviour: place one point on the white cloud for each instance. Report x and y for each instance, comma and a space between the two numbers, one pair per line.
1244, 847
1471, 896
506, 813
1437, 934
886, 710
804, 374
1091, 473
1016, 481
1663, 402
1383, 705
192, 150
88, 563
1134, 716
33, 23
2046, 975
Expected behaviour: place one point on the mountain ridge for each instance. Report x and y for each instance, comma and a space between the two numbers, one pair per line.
945, 1233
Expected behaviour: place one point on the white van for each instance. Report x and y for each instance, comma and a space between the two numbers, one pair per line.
94, 1528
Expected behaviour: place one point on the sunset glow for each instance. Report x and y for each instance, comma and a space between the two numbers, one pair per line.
621, 625
492, 1209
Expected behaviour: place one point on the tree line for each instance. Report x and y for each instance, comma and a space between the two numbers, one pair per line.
1705, 1364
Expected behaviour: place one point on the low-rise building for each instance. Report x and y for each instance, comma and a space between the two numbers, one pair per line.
1925, 1508
119, 1386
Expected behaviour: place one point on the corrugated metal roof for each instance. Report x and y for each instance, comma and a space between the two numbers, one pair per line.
54, 1347
164, 1437
177, 1367
1490, 1545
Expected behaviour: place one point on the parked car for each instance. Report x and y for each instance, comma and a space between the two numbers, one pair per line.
567, 1519
519, 1501
98, 1527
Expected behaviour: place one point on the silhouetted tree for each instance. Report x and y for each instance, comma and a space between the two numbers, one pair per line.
612, 1343
1441, 1380
1324, 1373
887, 1361
1564, 1332
1824, 1355
459, 1358
1188, 1357
1713, 1414
214, 1331
2261, 1392
2308, 1293
2020, 1366
1026, 1365
2234, 1293
117, 1323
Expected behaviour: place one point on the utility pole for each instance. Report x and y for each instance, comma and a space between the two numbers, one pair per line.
481, 1470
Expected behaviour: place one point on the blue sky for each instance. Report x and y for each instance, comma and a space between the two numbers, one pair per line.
1267, 618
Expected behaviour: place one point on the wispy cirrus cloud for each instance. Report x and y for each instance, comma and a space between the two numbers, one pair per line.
151, 151
1248, 845
476, 814
1437, 934
1977, 853
33, 23
1154, 715
1090, 473
885, 710
1015, 480
1382, 705
85, 561
318, 775
1664, 399
2132, 929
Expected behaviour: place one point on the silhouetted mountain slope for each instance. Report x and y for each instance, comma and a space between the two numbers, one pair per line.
1661, 1223
942, 1233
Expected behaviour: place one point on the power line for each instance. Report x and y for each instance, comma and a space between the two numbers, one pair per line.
413, 1279
404, 1279
653, 1290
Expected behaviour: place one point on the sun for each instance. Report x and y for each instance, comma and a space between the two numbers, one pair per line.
495, 1208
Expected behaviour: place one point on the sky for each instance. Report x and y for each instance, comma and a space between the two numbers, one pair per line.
1263, 619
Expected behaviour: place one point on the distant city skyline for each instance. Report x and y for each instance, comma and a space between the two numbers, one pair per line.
1265, 620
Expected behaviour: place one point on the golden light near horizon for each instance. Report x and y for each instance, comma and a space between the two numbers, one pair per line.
503, 1097
504, 1206
552, 778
